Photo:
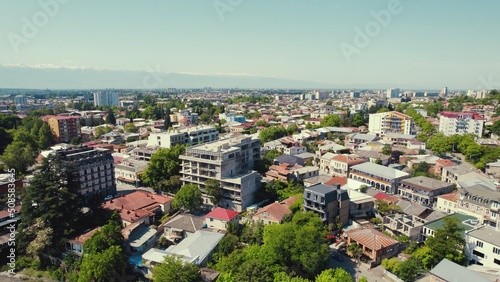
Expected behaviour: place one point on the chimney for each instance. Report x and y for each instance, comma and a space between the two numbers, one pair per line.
122, 206
336, 186
136, 215
111, 201
128, 212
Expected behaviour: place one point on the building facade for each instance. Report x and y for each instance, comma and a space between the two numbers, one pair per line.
106, 99
190, 135
328, 202
483, 246
378, 176
96, 169
391, 122
451, 123
228, 161
64, 128
423, 190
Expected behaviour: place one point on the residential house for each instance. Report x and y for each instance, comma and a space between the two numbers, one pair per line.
294, 150
448, 202
139, 237
303, 173
75, 245
448, 271
274, 212
481, 199
139, 206
340, 164
218, 218
466, 222
328, 202
197, 249
282, 172
183, 225
355, 139
127, 172
373, 243
378, 176
438, 168
405, 140
423, 190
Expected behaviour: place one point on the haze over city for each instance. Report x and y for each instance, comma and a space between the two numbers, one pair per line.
331, 44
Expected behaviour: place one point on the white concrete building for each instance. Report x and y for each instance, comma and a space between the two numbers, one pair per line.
106, 99
189, 135
451, 123
229, 161
483, 246
392, 93
391, 122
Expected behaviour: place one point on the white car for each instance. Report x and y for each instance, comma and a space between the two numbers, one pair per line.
108, 197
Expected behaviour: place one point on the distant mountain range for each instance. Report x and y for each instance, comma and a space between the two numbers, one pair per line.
50, 77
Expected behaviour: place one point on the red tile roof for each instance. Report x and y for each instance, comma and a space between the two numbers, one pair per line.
453, 197
472, 115
274, 212
80, 240
337, 180
385, 197
446, 162
371, 238
290, 201
222, 214
137, 200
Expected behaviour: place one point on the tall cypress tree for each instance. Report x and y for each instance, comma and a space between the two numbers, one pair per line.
167, 123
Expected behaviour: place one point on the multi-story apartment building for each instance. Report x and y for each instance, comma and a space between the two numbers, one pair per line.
106, 99
392, 93
190, 135
451, 123
229, 161
96, 169
20, 100
378, 176
448, 202
328, 202
127, 172
423, 190
483, 246
391, 122
64, 128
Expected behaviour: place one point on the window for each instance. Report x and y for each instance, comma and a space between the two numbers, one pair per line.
496, 261
211, 219
496, 250
479, 254
479, 244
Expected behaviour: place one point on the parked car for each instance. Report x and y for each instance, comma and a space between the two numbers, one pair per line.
337, 256
108, 197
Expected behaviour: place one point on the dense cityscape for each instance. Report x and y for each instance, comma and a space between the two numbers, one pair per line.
250, 185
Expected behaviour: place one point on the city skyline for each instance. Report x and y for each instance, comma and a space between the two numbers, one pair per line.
334, 44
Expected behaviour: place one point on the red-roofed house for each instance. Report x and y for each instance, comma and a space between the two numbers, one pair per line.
340, 164
438, 169
64, 128
274, 213
388, 198
448, 202
76, 244
218, 218
337, 180
139, 206
374, 244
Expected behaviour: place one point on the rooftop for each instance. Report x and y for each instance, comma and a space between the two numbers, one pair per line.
453, 197
425, 183
379, 170
487, 234
196, 247
437, 224
371, 238
222, 214
450, 271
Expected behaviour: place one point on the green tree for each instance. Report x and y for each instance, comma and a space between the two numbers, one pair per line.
334, 275
130, 127
188, 198
330, 120
102, 266
272, 133
45, 137
408, 270
421, 169
448, 242
355, 250
387, 149
439, 144
164, 164
228, 244
109, 235
167, 122
52, 197
495, 128
174, 269
358, 120
110, 118
214, 191
19, 156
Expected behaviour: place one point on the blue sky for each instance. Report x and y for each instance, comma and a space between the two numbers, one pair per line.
426, 44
